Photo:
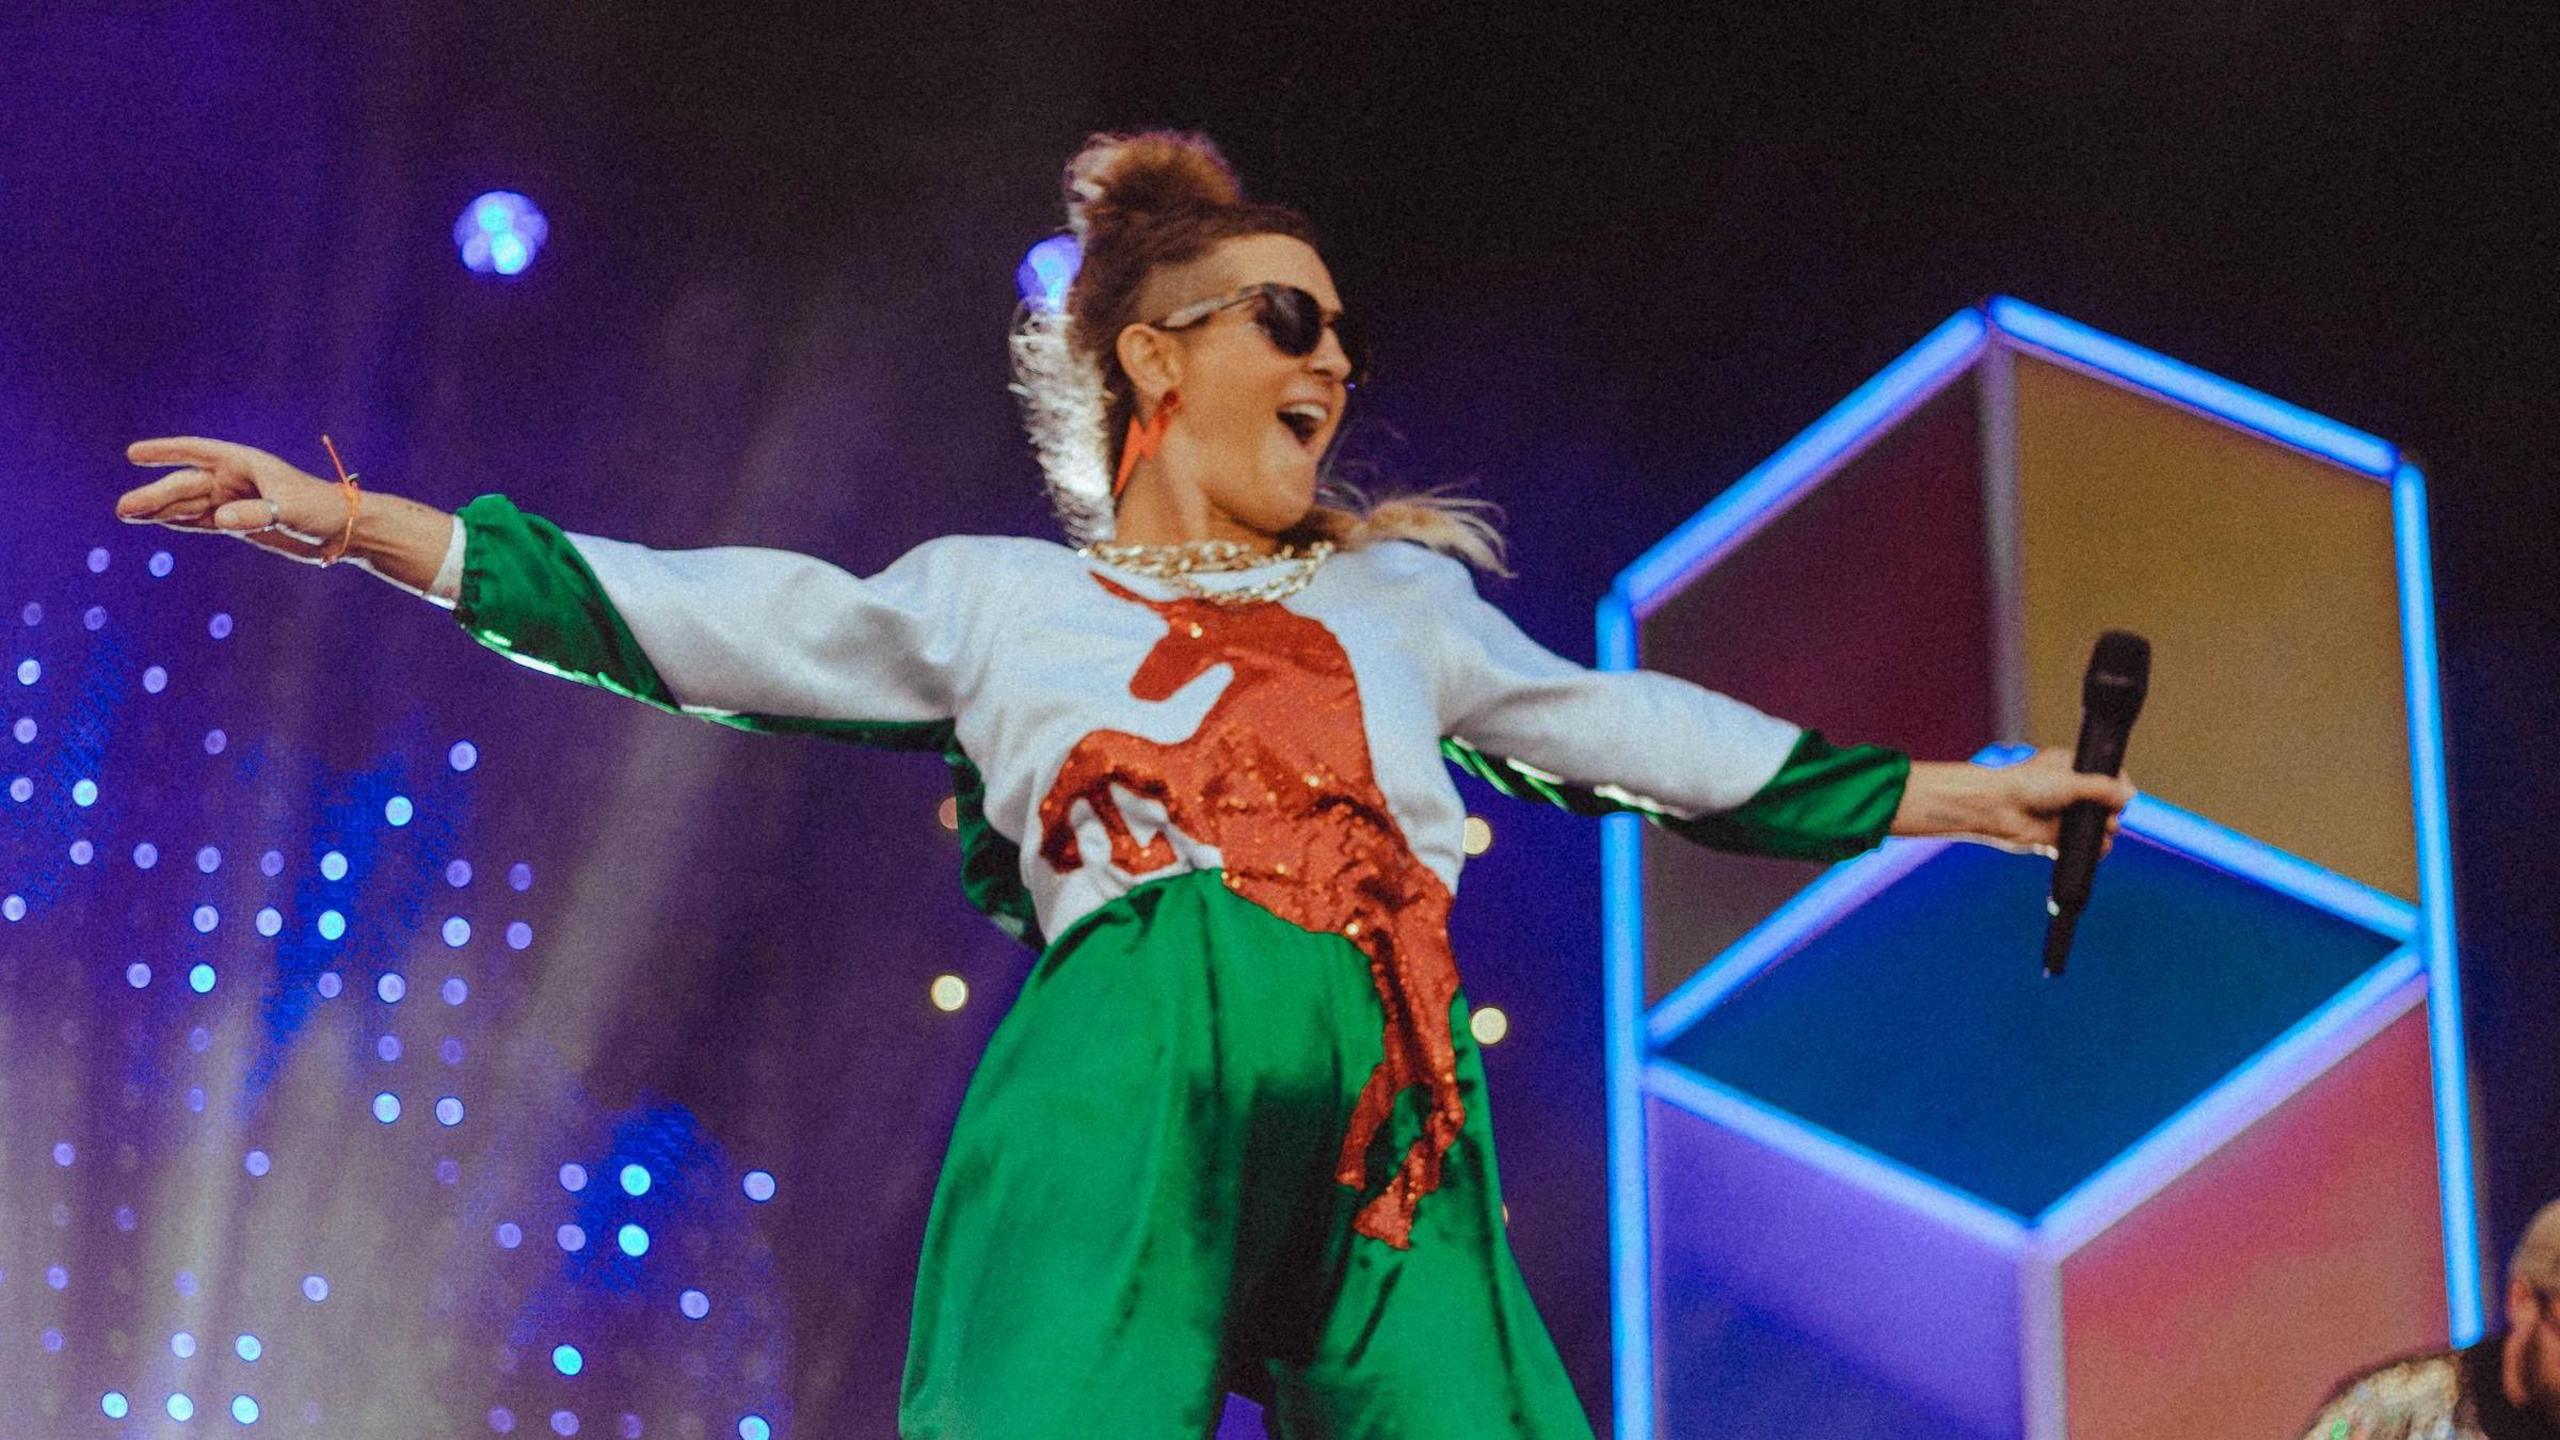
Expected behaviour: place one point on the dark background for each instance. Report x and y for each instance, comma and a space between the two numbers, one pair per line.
1613, 259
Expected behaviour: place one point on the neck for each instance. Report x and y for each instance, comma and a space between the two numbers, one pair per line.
1157, 509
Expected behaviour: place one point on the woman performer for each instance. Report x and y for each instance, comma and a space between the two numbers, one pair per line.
1233, 1133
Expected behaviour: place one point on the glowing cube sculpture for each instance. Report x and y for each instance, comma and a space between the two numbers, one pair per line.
1870, 1172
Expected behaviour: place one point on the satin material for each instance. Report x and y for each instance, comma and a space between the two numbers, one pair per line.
1139, 1210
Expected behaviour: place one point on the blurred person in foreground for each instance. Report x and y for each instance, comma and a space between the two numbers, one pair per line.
2506, 1387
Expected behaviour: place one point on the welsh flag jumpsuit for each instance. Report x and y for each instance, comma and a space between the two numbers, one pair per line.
1233, 1134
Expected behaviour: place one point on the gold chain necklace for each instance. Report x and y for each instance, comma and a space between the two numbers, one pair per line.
1176, 564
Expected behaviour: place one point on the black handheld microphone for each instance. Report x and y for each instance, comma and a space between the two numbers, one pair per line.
2110, 697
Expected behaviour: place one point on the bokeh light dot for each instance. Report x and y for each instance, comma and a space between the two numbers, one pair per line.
450, 1050
520, 875
333, 866
949, 992
463, 755
754, 1428
219, 627
759, 1186
328, 984
13, 907
195, 1098
270, 921
449, 1111
98, 560
51, 1340
82, 852
249, 1348
455, 990
25, 730
64, 1152
56, 1278
214, 741
1488, 1024
458, 874
572, 1238
244, 1409
84, 793
457, 931
315, 1288
510, 1235
200, 977
386, 1107
567, 1360
257, 1163
502, 1420
33, 614
332, 924
94, 618
573, 1177
181, 1409
22, 789
694, 1304
271, 863
114, 1406
635, 1179
519, 935
633, 1240
29, 672
162, 562
155, 679
392, 988
182, 1345
184, 1282
137, 975
388, 1047
126, 1219
206, 918
145, 855
398, 811
564, 1422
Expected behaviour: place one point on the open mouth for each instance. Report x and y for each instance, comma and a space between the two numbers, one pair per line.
1304, 420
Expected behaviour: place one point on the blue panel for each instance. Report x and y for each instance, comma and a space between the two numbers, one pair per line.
1919, 1026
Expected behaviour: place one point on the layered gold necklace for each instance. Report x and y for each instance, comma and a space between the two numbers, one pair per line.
1177, 564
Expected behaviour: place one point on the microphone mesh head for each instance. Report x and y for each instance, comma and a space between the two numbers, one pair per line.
2119, 676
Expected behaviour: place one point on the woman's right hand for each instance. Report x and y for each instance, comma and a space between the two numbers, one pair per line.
235, 490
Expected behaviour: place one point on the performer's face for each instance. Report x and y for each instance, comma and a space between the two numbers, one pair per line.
1230, 440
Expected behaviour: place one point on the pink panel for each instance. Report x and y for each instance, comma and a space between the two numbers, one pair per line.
2307, 1247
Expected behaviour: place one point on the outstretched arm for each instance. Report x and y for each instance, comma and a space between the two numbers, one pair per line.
224, 488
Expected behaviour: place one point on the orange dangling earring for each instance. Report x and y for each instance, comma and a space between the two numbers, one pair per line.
1145, 438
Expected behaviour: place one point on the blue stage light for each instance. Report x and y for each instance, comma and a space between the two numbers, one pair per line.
84, 793
22, 789
256, 1163
456, 990
635, 1179
520, 875
397, 810
248, 1348
82, 852
388, 1047
181, 1408
519, 935
386, 1107
271, 864
463, 755
391, 988
1047, 269
155, 679
13, 908
25, 730
270, 921
162, 562
182, 1345
449, 1111
633, 1240
458, 874
328, 984
208, 859
244, 1409
510, 1235
457, 931
564, 1422
500, 233
145, 855
200, 979
759, 1186
572, 1238
315, 1288
114, 1406
694, 1304
206, 918
754, 1428
29, 672
573, 1177
219, 627
332, 924
333, 866
567, 1360
64, 1153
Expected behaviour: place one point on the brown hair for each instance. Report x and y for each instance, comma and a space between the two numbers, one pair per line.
1136, 203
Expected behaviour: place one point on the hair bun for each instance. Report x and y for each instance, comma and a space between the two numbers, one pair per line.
1146, 173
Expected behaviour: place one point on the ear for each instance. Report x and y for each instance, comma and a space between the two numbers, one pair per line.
2524, 1307
1152, 360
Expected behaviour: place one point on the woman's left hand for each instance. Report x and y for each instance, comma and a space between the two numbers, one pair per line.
2016, 807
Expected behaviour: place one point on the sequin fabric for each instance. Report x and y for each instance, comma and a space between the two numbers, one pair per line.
1277, 776
2417, 1399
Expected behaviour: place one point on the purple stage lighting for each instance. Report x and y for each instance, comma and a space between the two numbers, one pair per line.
1046, 272
500, 233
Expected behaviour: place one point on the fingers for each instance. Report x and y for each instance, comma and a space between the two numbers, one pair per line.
257, 512
177, 498
192, 450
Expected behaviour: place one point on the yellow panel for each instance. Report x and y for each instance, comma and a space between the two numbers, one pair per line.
2266, 582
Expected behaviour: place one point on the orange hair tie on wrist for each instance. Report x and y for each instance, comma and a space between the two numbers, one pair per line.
1145, 438
355, 502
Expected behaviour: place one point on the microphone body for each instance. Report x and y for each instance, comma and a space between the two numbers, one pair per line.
2111, 696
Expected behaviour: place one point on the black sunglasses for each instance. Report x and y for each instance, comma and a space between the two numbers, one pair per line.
1294, 319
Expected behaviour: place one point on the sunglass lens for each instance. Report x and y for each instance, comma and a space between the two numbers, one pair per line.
1294, 320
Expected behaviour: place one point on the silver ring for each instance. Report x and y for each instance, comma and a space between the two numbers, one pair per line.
275, 515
